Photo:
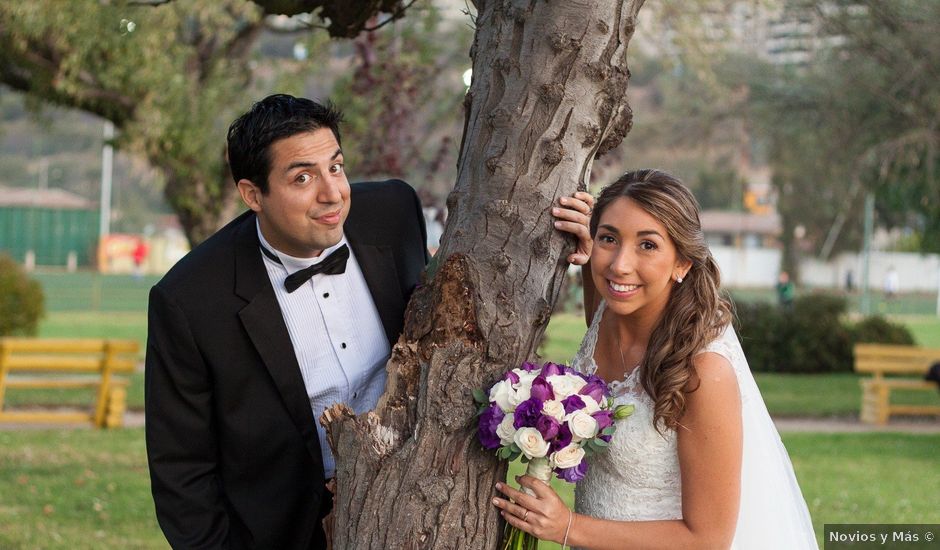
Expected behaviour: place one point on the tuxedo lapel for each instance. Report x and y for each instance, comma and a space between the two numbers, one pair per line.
378, 267
267, 331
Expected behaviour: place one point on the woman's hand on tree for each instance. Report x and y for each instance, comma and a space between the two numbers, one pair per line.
573, 215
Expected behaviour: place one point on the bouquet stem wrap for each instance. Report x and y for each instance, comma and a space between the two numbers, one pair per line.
540, 469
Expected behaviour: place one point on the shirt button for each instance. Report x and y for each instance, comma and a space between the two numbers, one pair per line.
326, 294
343, 345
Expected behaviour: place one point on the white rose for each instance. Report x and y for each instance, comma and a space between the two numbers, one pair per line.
500, 393
554, 409
505, 430
564, 385
569, 457
525, 377
530, 442
590, 406
522, 393
582, 425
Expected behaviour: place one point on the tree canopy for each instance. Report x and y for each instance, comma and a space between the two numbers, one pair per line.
169, 75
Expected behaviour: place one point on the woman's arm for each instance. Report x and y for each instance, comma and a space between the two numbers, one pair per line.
710, 446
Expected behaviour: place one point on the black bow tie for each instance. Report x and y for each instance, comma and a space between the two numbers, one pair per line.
333, 264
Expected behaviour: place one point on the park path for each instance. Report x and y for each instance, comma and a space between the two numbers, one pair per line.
135, 419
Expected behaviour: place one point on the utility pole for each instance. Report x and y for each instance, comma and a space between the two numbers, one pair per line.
107, 166
866, 252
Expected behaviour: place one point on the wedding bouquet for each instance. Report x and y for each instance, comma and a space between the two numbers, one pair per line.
553, 417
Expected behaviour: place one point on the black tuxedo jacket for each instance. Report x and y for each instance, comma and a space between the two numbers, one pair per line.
232, 443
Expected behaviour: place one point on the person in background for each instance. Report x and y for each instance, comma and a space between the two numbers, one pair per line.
785, 290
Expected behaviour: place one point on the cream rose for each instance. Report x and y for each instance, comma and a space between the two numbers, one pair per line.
590, 406
564, 385
582, 425
554, 409
522, 394
569, 457
500, 394
530, 442
505, 430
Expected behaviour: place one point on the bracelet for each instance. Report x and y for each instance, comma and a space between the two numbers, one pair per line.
564, 543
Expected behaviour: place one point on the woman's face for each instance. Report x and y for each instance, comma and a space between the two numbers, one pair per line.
634, 261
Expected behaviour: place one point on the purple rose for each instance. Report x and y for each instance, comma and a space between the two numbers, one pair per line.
604, 419
527, 413
573, 403
512, 377
529, 367
542, 389
548, 427
575, 474
551, 369
562, 440
596, 389
489, 421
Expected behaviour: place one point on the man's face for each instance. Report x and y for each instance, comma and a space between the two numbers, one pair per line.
308, 194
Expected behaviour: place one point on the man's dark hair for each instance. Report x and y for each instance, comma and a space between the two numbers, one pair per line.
275, 117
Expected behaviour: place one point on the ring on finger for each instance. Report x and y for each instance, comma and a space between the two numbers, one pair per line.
525, 515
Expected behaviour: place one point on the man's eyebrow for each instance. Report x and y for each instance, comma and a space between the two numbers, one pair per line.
306, 164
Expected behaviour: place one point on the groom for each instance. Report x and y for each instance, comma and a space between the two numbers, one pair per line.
289, 308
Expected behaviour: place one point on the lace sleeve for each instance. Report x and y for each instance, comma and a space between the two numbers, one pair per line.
584, 360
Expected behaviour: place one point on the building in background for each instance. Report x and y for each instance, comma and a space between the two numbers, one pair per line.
47, 227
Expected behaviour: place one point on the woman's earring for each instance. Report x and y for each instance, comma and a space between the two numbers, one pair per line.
679, 279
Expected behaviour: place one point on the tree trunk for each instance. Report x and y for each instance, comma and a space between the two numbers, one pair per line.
548, 95
203, 201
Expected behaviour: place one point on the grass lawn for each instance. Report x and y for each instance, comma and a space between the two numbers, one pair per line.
925, 328
84, 489
76, 489
867, 478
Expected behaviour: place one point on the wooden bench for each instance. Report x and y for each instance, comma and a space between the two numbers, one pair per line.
893, 368
40, 363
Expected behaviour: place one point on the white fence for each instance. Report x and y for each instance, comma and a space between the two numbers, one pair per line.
759, 267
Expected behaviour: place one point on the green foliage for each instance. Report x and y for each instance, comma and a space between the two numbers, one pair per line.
862, 117
170, 77
878, 330
21, 300
719, 188
812, 337
402, 101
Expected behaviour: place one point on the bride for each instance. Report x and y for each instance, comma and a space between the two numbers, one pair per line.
699, 464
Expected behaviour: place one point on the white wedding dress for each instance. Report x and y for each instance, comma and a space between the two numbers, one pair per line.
638, 478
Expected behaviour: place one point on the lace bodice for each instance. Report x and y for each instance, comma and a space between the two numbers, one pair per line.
640, 470
638, 477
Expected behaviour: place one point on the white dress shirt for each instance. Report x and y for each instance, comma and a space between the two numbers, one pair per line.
337, 334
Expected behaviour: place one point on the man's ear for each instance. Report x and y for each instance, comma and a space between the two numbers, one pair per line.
250, 193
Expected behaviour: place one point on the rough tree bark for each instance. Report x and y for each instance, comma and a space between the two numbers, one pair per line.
548, 95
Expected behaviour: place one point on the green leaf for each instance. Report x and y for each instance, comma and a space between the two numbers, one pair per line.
598, 442
609, 430
480, 397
